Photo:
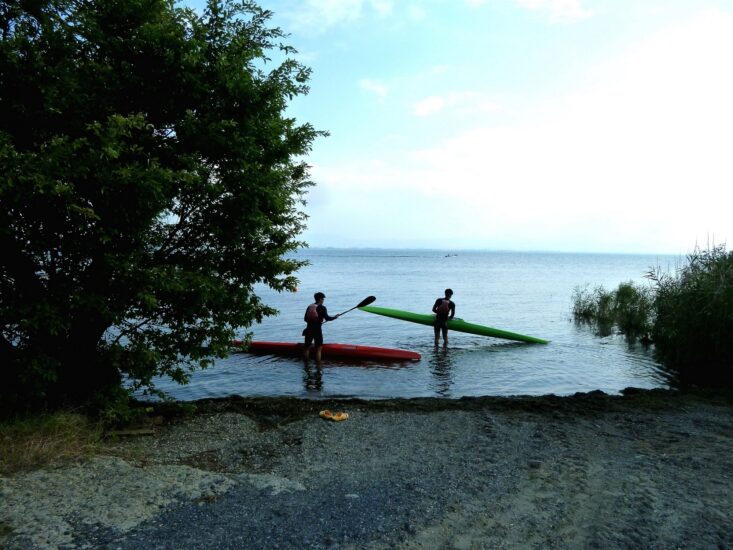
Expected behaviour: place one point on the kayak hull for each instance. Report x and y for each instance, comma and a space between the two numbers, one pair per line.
332, 351
454, 324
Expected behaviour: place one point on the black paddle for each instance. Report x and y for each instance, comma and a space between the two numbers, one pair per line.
365, 302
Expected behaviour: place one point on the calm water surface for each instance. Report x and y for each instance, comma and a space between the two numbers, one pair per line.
529, 293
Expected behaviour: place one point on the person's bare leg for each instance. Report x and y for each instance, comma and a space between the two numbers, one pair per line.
437, 336
445, 337
318, 354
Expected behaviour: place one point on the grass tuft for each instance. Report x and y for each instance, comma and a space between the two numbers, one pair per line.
30, 443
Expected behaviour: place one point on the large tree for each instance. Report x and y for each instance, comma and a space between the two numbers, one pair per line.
149, 179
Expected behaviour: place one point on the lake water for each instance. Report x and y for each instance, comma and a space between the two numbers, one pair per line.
529, 293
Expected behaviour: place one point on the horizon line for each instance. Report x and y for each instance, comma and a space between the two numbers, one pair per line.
495, 250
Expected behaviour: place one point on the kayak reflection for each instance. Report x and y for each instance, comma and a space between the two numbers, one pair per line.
441, 367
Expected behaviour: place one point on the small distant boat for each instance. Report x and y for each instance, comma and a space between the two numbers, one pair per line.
335, 351
451, 255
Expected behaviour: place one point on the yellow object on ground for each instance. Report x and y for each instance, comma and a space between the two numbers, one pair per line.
337, 416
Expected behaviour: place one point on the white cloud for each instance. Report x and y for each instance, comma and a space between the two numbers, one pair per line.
316, 16
429, 106
636, 159
382, 7
463, 103
643, 149
416, 12
374, 86
560, 11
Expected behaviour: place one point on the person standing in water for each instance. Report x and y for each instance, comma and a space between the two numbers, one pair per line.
444, 310
315, 315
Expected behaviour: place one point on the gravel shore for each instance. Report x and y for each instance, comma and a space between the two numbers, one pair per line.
649, 469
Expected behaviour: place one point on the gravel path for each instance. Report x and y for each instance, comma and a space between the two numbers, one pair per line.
650, 469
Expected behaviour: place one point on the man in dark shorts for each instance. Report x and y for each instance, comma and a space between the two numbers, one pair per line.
315, 315
444, 309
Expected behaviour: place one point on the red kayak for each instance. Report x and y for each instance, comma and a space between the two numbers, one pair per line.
341, 351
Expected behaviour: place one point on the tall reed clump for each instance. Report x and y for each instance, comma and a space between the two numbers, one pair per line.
688, 315
693, 331
629, 309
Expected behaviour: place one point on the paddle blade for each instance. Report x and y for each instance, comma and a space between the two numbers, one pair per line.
366, 301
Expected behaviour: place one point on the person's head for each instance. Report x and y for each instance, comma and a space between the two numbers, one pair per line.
319, 297
448, 293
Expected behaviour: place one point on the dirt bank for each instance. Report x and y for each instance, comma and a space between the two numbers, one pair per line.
647, 469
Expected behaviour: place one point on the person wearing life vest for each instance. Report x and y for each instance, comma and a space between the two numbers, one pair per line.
315, 315
444, 310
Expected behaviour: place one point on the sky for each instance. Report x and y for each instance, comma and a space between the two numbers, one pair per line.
529, 125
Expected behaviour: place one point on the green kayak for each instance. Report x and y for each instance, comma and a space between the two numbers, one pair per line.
455, 324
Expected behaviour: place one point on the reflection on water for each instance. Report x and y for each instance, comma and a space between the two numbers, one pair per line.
441, 368
312, 377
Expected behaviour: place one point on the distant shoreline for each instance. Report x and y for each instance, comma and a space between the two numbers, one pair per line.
454, 250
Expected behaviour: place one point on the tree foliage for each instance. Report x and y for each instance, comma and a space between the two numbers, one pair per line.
149, 179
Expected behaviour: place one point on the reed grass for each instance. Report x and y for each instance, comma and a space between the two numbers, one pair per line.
628, 310
693, 330
687, 314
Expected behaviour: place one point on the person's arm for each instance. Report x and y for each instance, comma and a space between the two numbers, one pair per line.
452, 310
436, 305
326, 316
